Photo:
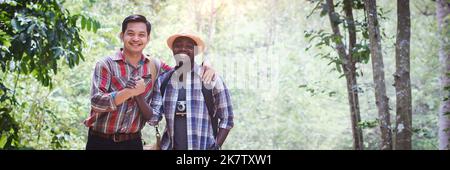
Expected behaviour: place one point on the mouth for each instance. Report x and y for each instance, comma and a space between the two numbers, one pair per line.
181, 56
186, 54
135, 44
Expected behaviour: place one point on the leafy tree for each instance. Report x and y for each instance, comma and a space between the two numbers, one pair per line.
348, 55
34, 36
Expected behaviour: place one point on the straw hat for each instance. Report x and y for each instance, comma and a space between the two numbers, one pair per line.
200, 44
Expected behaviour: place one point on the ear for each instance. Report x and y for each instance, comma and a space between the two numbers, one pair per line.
148, 38
121, 36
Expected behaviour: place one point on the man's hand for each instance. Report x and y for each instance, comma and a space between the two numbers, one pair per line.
131, 84
136, 85
221, 136
140, 87
208, 73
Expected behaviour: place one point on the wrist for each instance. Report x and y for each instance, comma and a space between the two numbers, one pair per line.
129, 93
113, 95
140, 96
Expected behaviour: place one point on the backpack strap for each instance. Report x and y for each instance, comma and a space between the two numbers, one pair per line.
209, 100
155, 69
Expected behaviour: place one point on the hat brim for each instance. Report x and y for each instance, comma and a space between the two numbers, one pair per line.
200, 44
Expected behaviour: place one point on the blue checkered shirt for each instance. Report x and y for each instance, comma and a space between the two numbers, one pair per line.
199, 129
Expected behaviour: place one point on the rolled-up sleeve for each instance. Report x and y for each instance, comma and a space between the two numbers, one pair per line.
101, 99
222, 102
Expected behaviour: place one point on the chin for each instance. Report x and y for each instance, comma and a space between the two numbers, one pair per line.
136, 50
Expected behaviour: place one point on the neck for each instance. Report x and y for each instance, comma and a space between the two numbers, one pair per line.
132, 57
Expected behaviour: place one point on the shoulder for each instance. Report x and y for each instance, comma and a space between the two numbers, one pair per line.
218, 84
152, 59
166, 74
106, 60
103, 62
164, 65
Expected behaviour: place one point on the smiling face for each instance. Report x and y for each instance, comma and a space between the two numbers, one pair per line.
135, 37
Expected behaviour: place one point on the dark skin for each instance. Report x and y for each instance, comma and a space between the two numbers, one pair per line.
146, 110
185, 45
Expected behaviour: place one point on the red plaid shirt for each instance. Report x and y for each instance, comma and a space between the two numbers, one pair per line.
110, 76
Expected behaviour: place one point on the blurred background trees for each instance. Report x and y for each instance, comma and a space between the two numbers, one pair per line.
289, 89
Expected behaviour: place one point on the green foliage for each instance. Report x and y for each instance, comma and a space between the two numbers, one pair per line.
303, 105
34, 36
423, 102
37, 35
367, 124
360, 52
314, 89
9, 127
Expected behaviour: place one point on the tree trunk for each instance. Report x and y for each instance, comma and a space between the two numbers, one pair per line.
351, 27
403, 127
442, 12
378, 75
350, 76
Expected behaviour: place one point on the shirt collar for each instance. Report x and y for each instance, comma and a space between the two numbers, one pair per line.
119, 56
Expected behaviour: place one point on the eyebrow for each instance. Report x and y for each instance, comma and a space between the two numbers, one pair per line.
179, 43
134, 31
189, 41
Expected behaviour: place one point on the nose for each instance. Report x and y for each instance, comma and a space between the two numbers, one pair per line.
180, 50
135, 38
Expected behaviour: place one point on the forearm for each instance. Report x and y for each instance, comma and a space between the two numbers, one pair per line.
102, 102
156, 106
145, 109
122, 96
221, 136
224, 110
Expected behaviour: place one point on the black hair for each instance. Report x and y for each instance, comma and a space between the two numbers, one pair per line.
136, 18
